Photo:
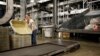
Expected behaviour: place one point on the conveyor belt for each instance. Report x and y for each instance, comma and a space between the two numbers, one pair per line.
78, 31
64, 43
47, 49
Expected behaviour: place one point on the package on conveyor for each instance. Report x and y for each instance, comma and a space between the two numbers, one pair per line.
64, 35
94, 24
4, 39
22, 34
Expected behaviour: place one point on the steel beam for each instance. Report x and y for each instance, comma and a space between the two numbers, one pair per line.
9, 12
4, 3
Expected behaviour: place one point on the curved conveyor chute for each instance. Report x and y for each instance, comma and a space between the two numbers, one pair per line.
9, 12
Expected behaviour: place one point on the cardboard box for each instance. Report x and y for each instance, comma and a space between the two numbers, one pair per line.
65, 35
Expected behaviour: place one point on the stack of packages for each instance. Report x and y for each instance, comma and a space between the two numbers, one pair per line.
65, 35
94, 24
22, 34
4, 39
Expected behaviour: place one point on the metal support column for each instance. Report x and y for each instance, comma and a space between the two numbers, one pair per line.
23, 9
58, 13
63, 12
83, 4
90, 5
42, 17
84, 1
67, 10
55, 12
55, 16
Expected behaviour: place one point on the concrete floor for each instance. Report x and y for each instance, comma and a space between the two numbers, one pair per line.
86, 49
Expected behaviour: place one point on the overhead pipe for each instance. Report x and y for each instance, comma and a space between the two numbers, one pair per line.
9, 12
4, 3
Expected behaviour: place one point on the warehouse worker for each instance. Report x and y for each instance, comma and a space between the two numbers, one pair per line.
33, 26
94, 25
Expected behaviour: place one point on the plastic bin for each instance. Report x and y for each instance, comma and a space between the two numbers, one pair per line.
4, 39
19, 41
22, 34
48, 30
20, 27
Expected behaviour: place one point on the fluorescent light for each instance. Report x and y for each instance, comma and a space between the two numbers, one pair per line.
2, 3
41, 1
31, 0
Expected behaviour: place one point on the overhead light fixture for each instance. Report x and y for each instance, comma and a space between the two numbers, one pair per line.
41, 1
31, 1
67, 6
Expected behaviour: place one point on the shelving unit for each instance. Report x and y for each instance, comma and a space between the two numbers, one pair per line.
64, 7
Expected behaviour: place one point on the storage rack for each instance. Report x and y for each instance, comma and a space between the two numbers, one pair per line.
63, 14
